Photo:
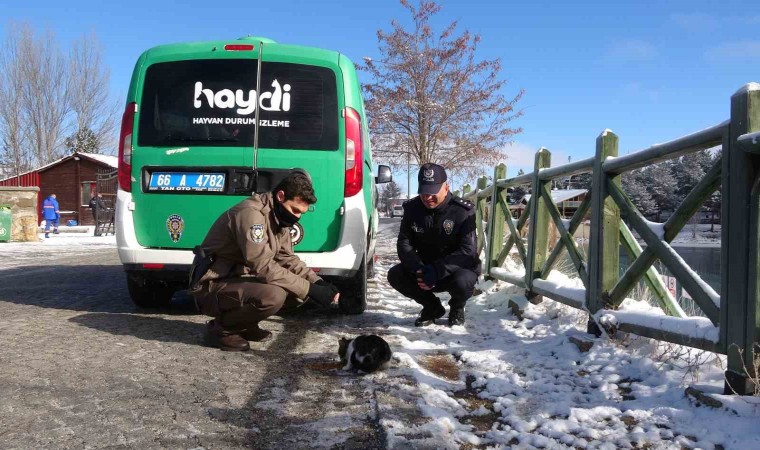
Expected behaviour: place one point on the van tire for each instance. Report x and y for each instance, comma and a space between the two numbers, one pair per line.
353, 291
371, 268
146, 294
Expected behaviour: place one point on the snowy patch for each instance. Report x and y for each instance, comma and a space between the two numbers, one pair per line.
501, 381
71, 240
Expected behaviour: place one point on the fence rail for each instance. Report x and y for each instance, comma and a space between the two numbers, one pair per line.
731, 322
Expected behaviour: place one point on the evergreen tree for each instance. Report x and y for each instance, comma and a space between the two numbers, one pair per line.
581, 181
635, 186
391, 191
690, 170
84, 141
713, 204
661, 185
518, 192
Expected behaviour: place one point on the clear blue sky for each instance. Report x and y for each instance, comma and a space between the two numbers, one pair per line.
649, 70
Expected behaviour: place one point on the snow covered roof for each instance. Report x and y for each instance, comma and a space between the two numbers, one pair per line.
112, 161
109, 160
560, 195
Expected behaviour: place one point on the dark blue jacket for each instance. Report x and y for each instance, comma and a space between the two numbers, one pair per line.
50, 209
444, 237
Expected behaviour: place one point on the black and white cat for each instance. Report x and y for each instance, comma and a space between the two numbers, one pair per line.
367, 353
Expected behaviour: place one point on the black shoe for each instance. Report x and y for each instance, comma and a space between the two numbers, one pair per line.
456, 316
429, 314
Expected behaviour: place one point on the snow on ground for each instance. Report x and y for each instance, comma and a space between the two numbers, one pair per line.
502, 382
18, 254
691, 236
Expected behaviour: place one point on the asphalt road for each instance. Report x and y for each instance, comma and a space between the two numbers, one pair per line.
81, 367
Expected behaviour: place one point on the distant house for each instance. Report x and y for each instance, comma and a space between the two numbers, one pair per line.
567, 201
71, 179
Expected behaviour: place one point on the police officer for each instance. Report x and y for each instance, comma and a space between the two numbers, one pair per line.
437, 248
245, 269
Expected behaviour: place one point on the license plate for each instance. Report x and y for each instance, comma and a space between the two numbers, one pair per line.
186, 182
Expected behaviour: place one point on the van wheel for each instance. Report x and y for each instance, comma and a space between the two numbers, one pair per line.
353, 292
146, 294
371, 269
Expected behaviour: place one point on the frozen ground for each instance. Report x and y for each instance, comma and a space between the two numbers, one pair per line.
509, 383
502, 382
699, 237
70, 239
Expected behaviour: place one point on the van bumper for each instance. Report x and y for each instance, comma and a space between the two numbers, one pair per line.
344, 261
131, 253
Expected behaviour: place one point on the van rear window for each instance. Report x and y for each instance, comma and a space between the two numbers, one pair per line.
213, 103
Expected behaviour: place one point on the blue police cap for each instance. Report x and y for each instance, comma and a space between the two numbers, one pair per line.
430, 178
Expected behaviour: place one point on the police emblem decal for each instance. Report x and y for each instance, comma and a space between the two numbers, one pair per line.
448, 226
296, 234
428, 175
175, 225
257, 233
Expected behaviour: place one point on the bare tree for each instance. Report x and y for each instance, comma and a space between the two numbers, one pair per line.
89, 94
13, 152
45, 93
433, 101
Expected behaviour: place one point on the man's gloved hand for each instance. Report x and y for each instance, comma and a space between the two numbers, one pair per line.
324, 293
429, 276
322, 282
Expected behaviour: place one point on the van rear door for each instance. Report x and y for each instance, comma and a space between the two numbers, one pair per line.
305, 130
195, 130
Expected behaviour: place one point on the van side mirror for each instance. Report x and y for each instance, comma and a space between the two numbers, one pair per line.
383, 174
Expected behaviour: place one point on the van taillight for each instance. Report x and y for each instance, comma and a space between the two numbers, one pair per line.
354, 153
125, 147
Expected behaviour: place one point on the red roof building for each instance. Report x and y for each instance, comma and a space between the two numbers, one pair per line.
72, 179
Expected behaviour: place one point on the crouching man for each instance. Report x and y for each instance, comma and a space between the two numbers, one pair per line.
245, 269
437, 246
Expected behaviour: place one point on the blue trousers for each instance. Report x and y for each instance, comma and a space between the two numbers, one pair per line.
459, 285
48, 222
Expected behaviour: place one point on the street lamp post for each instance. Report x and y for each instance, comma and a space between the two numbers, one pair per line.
408, 171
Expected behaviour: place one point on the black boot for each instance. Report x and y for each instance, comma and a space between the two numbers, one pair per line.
430, 312
456, 316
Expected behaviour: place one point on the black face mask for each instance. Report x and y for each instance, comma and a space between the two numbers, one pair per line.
285, 217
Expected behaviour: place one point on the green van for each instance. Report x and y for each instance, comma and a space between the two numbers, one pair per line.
208, 123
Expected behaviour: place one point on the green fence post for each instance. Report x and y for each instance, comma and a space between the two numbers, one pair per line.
480, 211
604, 243
538, 234
496, 220
740, 321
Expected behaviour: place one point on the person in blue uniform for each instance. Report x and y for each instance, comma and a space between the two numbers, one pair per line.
51, 213
437, 247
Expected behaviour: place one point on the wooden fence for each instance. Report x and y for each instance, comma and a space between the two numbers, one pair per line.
731, 322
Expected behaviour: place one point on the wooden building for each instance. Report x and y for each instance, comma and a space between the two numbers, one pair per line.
567, 201
72, 179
